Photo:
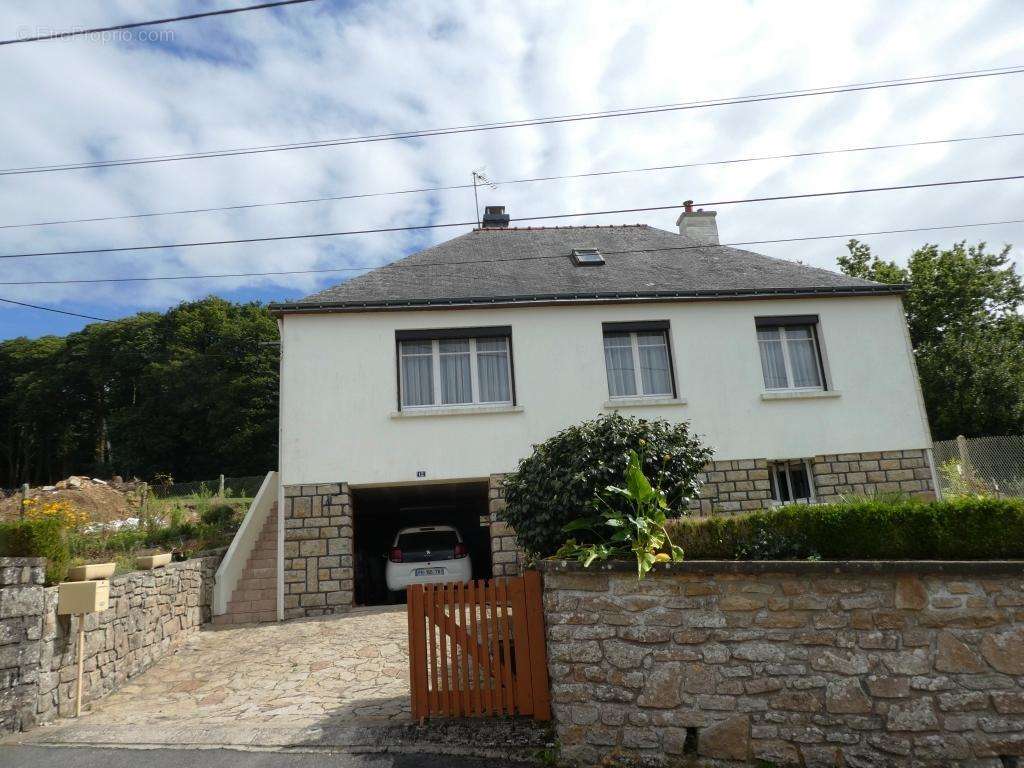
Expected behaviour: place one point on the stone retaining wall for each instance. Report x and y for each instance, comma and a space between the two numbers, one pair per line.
811, 664
151, 613
21, 626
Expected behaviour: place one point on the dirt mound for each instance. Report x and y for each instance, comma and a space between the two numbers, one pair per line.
102, 501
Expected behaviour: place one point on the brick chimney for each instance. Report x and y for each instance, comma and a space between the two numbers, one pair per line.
699, 225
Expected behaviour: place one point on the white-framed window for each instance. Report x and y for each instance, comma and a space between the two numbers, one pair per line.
791, 481
790, 356
638, 363
446, 372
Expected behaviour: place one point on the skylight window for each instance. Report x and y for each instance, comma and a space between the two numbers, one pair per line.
587, 257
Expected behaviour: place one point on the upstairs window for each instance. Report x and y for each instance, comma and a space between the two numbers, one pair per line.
791, 482
455, 367
790, 354
637, 360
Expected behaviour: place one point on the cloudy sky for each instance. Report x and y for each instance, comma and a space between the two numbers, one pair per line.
333, 69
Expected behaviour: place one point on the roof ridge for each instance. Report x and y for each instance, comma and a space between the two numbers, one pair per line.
561, 226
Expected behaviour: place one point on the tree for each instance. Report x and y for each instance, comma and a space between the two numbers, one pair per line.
192, 392
963, 310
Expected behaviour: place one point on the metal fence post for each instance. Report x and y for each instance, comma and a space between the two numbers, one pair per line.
220, 487
965, 458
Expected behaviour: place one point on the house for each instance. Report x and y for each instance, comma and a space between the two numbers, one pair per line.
408, 392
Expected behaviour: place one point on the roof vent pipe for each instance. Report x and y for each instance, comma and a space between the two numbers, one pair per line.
495, 217
698, 225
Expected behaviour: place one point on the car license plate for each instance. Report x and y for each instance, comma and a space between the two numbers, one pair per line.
429, 571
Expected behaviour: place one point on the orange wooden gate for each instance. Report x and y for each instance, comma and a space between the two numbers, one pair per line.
478, 649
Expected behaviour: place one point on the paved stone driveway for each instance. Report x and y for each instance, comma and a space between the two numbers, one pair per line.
267, 684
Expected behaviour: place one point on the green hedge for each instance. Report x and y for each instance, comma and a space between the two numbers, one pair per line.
961, 529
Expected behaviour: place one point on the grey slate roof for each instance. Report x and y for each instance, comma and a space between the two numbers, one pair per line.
533, 265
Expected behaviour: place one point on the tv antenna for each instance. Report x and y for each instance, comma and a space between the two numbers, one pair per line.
480, 178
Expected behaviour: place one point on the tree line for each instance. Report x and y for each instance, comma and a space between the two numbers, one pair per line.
192, 392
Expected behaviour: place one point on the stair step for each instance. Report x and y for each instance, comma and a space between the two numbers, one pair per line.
254, 617
246, 594
250, 584
259, 573
252, 606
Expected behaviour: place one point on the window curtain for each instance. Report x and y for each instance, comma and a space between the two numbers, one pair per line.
456, 376
493, 370
803, 358
618, 358
654, 372
773, 365
417, 373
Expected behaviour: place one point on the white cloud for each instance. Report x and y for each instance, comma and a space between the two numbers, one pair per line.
325, 70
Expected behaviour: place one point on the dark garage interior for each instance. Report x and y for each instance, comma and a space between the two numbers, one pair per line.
379, 513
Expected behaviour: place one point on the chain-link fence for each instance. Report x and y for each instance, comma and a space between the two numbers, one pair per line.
234, 487
989, 465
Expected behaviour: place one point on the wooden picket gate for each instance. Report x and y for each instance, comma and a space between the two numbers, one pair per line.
478, 649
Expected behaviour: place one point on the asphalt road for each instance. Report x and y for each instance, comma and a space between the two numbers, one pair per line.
14, 756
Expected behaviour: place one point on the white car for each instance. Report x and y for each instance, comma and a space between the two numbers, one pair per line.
427, 554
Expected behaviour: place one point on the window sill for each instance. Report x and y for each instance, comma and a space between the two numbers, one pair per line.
641, 402
799, 394
455, 410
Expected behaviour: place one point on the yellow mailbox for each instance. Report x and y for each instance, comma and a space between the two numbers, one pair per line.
83, 597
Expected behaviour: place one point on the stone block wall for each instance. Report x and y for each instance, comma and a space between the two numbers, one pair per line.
809, 664
743, 485
877, 472
318, 553
733, 486
506, 554
21, 627
151, 613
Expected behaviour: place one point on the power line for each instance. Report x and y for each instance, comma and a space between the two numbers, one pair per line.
150, 23
548, 217
476, 127
515, 259
58, 311
588, 174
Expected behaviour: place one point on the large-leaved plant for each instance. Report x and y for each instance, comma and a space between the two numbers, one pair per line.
634, 528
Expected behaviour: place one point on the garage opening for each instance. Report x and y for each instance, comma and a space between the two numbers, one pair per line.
379, 513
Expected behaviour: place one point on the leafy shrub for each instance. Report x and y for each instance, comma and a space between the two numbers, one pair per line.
639, 531
219, 516
42, 536
965, 528
560, 481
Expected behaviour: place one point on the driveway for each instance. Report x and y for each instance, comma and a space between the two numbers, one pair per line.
260, 684
337, 683
98, 757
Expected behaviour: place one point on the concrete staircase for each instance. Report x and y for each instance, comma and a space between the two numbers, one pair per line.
255, 596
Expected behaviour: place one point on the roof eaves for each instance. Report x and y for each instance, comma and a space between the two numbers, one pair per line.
284, 308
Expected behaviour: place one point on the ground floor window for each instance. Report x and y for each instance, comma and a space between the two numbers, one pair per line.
792, 482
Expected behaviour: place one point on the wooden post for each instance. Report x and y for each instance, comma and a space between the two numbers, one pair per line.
81, 658
220, 487
24, 498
